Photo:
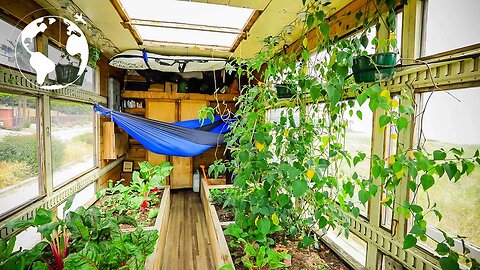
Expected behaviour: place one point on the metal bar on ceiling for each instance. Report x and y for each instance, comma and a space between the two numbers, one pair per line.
186, 26
188, 45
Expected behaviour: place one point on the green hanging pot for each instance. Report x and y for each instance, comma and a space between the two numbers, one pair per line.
374, 67
284, 90
68, 73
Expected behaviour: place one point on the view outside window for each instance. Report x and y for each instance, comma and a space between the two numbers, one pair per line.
81, 199
459, 127
73, 140
8, 45
437, 27
19, 170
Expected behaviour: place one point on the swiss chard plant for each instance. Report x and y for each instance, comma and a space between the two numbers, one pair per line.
84, 239
294, 174
140, 194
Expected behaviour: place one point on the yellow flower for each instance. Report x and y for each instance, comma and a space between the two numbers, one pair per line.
386, 200
394, 103
394, 136
399, 174
286, 133
385, 93
391, 159
410, 154
310, 173
260, 146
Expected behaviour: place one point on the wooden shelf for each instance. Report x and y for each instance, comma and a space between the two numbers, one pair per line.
140, 111
175, 96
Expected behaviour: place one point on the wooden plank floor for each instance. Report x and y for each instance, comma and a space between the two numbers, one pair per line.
187, 246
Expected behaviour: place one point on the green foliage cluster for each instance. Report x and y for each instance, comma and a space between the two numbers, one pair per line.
25, 149
222, 197
288, 177
141, 193
84, 239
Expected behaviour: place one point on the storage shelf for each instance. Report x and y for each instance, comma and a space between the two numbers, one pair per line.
140, 111
175, 96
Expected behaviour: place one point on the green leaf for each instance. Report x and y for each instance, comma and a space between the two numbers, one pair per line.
68, 203
427, 181
450, 169
359, 114
439, 170
325, 29
447, 263
373, 104
442, 249
439, 155
263, 225
244, 156
227, 267
362, 98
322, 222
299, 187
333, 94
284, 199
384, 120
39, 266
43, 216
409, 241
153, 213
416, 208
315, 91
356, 212
402, 123
373, 189
364, 196
376, 171
307, 241
275, 220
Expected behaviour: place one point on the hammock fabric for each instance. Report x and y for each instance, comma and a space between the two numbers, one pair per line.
184, 139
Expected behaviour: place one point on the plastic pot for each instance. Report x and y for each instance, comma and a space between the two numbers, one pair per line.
67, 74
284, 91
374, 67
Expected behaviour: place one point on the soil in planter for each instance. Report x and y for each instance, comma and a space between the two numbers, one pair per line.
224, 214
304, 258
140, 216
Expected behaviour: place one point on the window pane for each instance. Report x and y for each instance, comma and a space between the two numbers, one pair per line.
8, 44
19, 170
81, 199
73, 140
456, 127
353, 245
186, 36
461, 27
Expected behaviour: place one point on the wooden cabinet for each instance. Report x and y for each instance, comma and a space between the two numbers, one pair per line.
114, 143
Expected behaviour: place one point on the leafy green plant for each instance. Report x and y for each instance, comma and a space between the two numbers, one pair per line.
83, 240
222, 197
260, 257
294, 173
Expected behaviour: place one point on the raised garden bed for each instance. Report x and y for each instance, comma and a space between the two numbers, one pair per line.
160, 223
218, 244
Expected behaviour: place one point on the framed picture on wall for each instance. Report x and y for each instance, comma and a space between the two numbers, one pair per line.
128, 166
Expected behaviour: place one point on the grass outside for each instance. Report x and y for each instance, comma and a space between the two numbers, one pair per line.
458, 202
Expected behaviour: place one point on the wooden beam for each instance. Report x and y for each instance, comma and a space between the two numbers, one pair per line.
178, 96
185, 26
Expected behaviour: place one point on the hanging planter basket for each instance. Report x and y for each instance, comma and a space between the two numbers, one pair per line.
284, 90
68, 73
374, 67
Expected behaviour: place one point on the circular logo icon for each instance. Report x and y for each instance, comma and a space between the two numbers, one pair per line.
75, 54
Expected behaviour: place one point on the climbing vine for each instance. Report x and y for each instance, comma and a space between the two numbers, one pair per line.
294, 177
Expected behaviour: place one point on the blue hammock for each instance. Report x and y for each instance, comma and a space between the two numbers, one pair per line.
184, 139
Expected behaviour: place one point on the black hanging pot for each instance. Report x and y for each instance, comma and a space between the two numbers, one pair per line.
285, 90
68, 74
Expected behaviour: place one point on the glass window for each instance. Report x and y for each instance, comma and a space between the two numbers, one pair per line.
19, 156
82, 198
457, 127
174, 26
358, 138
73, 140
353, 245
27, 239
8, 44
462, 30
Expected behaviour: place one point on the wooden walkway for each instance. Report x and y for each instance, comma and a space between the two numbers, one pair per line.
187, 246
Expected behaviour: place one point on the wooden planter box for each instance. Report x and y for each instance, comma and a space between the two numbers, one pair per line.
220, 251
154, 260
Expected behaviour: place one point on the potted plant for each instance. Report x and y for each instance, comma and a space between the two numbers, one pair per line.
68, 73
380, 65
93, 56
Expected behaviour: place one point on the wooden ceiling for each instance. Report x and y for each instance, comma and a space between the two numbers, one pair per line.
271, 17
